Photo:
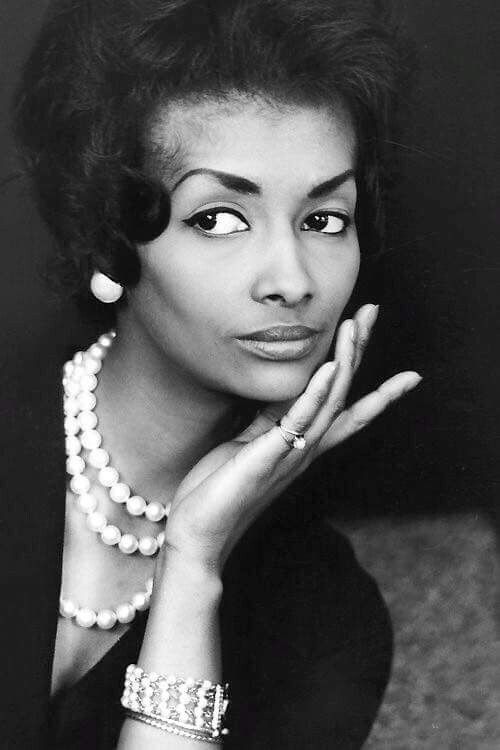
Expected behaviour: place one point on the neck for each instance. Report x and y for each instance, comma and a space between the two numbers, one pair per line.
156, 421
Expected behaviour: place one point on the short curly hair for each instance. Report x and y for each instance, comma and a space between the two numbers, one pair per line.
99, 71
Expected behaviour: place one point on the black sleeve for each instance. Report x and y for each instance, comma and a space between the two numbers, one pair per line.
312, 659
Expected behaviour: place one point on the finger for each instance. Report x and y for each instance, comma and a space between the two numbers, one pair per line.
365, 410
365, 319
334, 404
264, 420
253, 465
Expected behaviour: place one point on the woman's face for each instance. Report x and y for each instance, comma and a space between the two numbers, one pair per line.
243, 290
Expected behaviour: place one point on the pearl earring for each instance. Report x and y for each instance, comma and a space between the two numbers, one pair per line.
105, 289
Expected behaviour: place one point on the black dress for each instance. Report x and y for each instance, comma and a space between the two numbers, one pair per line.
306, 649
306, 637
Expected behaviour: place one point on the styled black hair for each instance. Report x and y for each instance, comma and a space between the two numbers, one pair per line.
100, 70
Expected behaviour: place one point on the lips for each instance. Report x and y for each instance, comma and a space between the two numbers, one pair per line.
280, 333
280, 343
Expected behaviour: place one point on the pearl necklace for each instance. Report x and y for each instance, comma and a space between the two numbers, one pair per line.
106, 619
79, 382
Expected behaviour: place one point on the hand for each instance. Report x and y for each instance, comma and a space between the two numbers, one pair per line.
231, 486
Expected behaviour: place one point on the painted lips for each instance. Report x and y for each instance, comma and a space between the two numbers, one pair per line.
281, 342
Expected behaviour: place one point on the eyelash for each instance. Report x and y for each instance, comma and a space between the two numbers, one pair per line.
193, 220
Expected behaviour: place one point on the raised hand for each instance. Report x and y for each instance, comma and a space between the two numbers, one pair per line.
231, 486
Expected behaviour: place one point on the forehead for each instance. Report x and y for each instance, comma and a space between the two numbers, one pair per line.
252, 137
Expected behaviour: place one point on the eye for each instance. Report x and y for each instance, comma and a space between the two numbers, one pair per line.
218, 222
326, 222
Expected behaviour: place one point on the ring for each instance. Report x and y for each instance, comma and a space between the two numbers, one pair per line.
297, 440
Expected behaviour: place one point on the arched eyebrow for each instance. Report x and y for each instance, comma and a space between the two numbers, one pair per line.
247, 187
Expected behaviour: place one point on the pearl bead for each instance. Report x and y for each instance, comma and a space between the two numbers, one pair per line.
67, 608
140, 601
125, 613
79, 484
111, 535
78, 358
148, 546
105, 340
71, 407
71, 426
108, 476
92, 366
88, 381
91, 439
86, 401
73, 445
87, 503
75, 465
98, 458
120, 492
86, 617
87, 420
97, 351
97, 521
154, 511
68, 368
106, 619
128, 544
72, 388
78, 371
136, 505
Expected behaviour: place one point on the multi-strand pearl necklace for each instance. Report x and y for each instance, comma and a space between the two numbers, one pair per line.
80, 381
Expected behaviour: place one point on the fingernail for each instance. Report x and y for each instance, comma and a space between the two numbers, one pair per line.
415, 380
374, 313
331, 368
354, 331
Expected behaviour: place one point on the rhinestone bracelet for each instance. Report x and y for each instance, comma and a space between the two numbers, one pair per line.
172, 728
176, 705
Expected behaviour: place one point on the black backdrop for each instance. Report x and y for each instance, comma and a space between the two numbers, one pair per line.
438, 282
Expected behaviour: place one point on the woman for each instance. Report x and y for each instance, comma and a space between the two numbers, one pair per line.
198, 165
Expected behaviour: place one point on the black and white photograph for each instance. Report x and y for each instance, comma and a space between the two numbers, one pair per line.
249, 410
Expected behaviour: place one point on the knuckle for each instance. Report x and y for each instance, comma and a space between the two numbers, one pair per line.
338, 406
359, 423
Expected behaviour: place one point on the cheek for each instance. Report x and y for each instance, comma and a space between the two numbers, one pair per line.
181, 288
338, 277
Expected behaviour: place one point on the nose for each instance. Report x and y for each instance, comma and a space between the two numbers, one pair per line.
283, 276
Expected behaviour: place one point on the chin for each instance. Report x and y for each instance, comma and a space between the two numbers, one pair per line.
277, 381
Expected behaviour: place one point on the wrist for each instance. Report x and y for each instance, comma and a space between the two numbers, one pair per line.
192, 573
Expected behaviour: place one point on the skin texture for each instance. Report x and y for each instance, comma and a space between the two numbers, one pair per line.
178, 391
198, 291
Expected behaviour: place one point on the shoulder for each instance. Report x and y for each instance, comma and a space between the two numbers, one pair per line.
309, 581
314, 637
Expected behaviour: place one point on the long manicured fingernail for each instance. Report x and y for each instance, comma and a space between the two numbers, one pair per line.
374, 314
417, 378
354, 331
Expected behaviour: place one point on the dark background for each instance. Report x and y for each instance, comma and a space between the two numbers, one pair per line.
438, 281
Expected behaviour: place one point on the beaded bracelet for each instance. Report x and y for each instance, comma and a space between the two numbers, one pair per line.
190, 708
